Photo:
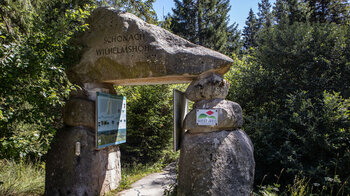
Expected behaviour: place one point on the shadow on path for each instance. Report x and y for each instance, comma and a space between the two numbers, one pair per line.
153, 184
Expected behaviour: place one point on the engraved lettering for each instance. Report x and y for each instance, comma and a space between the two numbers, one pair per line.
123, 38
122, 46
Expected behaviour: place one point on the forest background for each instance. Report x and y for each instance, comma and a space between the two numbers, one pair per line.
291, 75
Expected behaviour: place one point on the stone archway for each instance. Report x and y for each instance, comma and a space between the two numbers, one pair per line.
119, 48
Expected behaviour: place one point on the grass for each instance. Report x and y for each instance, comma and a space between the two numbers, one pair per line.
25, 178
302, 186
21, 178
134, 172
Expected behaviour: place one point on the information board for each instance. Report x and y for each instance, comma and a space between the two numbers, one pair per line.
207, 117
110, 120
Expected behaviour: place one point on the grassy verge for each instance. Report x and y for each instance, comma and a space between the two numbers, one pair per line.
21, 178
134, 172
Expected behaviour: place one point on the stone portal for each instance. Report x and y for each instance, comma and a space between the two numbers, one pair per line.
120, 48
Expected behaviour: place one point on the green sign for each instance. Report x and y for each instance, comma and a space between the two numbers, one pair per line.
110, 120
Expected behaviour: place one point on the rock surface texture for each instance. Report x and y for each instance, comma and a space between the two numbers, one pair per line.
216, 163
229, 116
215, 159
211, 86
120, 48
90, 172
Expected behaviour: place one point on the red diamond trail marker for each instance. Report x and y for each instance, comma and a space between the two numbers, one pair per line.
210, 112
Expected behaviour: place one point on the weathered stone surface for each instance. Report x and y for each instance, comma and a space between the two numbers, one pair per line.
123, 49
217, 163
79, 112
91, 173
210, 86
88, 90
229, 116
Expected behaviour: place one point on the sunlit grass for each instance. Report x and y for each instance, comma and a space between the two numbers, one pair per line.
134, 172
21, 178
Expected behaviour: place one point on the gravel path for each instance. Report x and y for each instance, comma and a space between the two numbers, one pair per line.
152, 185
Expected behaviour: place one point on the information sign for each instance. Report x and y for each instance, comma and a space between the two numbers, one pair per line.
110, 120
207, 117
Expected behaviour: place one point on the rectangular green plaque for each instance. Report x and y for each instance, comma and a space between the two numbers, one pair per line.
110, 120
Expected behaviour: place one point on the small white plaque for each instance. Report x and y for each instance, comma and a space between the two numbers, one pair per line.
207, 117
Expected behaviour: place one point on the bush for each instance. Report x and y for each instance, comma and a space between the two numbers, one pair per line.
34, 84
295, 100
149, 122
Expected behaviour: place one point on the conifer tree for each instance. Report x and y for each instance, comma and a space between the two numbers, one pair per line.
337, 11
205, 23
184, 20
265, 15
234, 43
290, 11
250, 30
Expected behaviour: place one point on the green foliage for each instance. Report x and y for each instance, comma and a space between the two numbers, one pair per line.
337, 11
21, 178
250, 30
149, 122
206, 23
265, 15
142, 9
31, 56
294, 91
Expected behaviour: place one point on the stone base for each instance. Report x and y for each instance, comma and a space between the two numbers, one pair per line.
93, 172
216, 163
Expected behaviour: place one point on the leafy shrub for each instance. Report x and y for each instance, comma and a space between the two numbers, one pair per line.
149, 122
294, 90
34, 85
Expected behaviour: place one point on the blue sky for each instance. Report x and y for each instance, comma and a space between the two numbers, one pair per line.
238, 13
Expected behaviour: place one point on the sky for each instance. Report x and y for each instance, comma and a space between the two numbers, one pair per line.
238, 13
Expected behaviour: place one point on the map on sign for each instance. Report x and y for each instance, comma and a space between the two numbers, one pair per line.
111, 120
207, 116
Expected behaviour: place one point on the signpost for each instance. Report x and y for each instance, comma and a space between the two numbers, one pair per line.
110, 120
180, 111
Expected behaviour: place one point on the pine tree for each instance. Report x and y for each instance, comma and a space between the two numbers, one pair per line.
250, 30
337, 11
234, 43
265, 15
204, 22
290, 11
184, 20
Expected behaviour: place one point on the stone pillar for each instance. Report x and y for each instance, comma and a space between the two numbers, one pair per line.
215, 160
74, 166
